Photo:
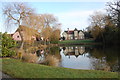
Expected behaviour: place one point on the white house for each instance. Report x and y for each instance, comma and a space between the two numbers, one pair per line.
73, 34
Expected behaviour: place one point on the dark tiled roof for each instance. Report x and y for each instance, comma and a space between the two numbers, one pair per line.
72, 31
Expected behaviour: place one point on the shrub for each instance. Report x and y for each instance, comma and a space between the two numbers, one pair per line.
7, 44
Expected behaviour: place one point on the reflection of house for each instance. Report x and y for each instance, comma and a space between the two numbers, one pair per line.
73, 34
27, 33
78, 50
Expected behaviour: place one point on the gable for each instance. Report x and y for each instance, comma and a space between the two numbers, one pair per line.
64, 33
81, 33
16, 36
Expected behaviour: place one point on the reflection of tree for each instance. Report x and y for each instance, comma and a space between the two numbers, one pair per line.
105, 58
54, 51
52, 56
51, 60
100, 64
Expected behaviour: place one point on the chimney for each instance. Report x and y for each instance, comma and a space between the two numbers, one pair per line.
68, 30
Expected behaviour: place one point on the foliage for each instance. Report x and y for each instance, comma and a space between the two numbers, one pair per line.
51, 34
87, 35
46, 32
55, 36
17, 69
29, 57
7, 44
96, 31
105, 28
54, 50
0, 43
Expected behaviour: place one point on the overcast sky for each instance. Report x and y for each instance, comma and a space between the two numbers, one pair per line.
70, 14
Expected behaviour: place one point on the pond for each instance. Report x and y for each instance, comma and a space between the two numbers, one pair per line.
82, 57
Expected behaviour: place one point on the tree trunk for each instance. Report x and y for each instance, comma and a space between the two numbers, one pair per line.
22, 40
103, 38
118, 24
22, 44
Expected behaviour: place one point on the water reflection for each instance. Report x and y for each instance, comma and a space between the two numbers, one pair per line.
76, 51
81, 57
104, 58
50, 56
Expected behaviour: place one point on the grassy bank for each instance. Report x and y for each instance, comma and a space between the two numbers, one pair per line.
87, 41
18, 69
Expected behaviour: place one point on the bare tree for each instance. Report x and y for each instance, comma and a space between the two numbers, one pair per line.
15, 13
114, 11
97, 19
97, 22
50, 25
34, 21
48, 20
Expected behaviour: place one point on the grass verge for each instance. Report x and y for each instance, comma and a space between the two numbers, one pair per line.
17, 69
86, 41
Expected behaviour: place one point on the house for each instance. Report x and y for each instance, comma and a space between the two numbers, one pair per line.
27, 33
73, 34
74, 51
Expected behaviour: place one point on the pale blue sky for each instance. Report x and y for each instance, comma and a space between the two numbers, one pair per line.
70, 14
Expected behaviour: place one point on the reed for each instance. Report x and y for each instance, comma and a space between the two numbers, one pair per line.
29, 57
51, 60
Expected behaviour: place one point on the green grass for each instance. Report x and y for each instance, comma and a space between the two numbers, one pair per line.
87, 41
17, 69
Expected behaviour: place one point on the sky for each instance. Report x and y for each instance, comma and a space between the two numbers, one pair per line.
70, 14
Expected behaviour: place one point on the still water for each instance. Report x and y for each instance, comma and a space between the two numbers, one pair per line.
82, 57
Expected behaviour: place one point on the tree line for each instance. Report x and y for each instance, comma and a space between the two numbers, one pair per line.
105, 27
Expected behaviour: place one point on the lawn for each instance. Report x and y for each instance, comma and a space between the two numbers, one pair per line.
86, 41
17, 69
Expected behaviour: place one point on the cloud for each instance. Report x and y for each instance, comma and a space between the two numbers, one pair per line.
75, 19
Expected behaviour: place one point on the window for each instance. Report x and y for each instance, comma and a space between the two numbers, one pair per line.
17, 36
75, 37
71, 37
